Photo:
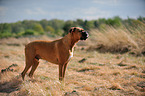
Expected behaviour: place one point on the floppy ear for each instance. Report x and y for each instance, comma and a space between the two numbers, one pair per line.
72, 29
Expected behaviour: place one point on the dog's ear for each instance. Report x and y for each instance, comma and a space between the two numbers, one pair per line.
73, 29
70, 30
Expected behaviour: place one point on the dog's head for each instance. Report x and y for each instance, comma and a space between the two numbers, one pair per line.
79, 33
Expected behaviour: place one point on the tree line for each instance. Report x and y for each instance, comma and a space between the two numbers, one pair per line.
57, 27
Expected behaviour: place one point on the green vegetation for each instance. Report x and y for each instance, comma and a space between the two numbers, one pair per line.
57, 27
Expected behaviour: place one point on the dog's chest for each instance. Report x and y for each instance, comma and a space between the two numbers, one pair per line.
70, 56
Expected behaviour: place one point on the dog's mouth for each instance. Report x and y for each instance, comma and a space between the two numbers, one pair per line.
84, 36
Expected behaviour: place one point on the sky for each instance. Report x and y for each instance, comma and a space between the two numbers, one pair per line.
18, 10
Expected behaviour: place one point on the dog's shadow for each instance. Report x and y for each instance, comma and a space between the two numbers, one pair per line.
11, 85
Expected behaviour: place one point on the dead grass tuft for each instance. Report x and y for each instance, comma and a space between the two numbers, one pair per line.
132, 67
118, 41
116, 86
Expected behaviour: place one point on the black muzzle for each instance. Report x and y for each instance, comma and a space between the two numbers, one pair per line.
84, 36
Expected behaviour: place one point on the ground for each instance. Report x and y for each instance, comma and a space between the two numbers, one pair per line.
89, 73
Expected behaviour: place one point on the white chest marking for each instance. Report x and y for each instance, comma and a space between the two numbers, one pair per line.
71, 55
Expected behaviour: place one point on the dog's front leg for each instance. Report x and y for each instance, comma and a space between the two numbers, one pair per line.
62, 69
60, 72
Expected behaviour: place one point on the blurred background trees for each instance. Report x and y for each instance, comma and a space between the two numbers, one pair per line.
57, 27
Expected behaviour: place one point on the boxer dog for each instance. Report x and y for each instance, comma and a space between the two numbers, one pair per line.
58, 52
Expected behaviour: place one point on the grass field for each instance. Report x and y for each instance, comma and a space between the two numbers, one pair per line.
89, 73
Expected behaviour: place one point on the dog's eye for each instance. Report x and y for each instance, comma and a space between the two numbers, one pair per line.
80, 30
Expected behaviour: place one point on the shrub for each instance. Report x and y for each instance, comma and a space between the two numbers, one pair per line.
29, 32
49, 29
5, 34
38, 29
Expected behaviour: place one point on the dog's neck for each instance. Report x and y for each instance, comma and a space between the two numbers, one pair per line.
71, 41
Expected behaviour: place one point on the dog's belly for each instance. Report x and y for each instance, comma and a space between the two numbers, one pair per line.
48, 57
47, 52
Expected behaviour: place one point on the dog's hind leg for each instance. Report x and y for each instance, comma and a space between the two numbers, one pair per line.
29, 56
34, 66
28, 65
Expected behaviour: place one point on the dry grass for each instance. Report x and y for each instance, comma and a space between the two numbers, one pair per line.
119, 40
101, 74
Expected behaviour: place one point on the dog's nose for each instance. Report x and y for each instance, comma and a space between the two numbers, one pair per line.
87, 35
